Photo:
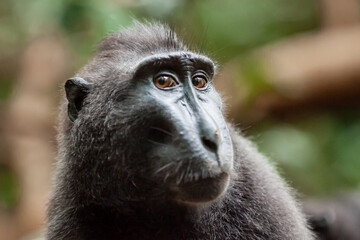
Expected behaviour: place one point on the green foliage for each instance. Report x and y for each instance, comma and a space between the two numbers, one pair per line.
253, 73
87, 22
236, 26
227, 27
320, 153
9, 190
5, 88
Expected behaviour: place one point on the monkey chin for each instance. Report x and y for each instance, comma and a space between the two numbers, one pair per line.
203, 191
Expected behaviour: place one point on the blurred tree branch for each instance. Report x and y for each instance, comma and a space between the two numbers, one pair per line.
337, 13
312, 70
319, 69
29, 131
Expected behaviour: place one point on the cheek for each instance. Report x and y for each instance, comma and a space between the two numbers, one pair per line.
161, 167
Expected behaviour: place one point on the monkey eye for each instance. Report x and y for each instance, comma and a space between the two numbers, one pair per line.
199, 82
165, 81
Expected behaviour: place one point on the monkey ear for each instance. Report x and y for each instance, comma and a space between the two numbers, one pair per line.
76, 91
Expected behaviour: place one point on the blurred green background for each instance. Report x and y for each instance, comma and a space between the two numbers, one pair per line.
314, 141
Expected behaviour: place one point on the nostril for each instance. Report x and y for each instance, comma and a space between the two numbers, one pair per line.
210, 145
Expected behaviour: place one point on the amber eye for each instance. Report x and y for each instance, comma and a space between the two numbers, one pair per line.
199, 82
165, 81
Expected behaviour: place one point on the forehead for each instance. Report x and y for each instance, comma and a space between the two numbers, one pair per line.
175, 60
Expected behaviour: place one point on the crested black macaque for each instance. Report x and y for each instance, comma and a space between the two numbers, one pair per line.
145, 152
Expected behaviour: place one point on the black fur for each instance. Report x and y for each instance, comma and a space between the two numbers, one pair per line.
335, 218
103, 189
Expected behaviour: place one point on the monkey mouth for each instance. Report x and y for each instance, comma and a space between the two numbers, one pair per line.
203, 190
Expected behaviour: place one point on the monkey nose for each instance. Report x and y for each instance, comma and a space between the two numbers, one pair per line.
211, 142
210, 136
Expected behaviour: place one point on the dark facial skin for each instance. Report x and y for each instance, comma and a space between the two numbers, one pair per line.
184, 144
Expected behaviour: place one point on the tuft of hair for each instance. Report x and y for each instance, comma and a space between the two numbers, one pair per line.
143, 38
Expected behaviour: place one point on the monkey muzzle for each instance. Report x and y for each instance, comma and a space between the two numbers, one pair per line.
193, 160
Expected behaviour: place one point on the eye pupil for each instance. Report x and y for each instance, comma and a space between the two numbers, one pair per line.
199, 82
164, 81
196, 81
